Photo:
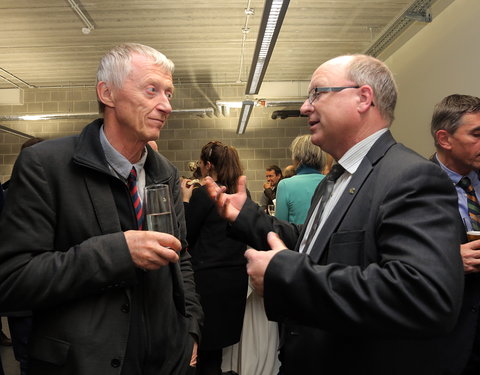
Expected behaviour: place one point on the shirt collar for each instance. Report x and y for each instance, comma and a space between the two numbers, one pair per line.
117, 162
455, 177
352, 158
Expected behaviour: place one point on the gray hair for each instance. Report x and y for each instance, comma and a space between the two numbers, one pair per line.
116, 64
304, 152
367, 70
448, 114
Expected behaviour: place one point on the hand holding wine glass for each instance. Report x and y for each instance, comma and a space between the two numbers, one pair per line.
157, 246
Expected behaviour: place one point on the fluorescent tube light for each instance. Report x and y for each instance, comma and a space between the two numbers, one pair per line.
247, 107
273, 15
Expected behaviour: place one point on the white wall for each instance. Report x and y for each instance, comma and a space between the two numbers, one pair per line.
442, 59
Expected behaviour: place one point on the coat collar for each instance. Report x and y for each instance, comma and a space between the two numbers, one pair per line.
89, 153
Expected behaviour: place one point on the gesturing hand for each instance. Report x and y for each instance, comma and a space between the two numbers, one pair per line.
228, 205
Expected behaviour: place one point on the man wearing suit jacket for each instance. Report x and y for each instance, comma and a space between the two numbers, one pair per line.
107, 297
455, 128
380, 278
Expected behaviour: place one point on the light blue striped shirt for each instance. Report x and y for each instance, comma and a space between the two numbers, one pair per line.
461, 195
119, 164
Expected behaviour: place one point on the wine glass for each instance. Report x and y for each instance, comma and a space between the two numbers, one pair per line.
158, 208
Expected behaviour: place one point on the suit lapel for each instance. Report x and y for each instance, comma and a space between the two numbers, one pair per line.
358, 179
104, 206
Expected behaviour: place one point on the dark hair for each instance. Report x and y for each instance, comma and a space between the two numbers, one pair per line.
275, 168
31, 141
448, 114
226, 162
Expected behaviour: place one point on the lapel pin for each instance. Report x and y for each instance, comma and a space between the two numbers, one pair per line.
351, 190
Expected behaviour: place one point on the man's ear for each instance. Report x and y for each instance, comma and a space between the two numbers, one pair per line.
105, 94
443, 139
365, 98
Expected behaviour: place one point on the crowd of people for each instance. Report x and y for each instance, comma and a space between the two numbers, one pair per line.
365, 264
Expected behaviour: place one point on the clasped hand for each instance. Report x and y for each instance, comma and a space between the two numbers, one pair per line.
258, 261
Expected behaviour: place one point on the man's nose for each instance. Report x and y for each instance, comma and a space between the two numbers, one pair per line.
164, 105
306, 107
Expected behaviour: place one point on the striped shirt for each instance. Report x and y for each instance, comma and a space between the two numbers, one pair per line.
351, 160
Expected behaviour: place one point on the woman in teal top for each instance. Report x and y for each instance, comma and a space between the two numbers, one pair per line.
295, 193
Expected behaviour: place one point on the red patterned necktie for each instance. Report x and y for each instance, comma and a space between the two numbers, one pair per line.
137, 203
472, 202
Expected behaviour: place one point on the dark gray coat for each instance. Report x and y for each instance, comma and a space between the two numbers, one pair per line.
63, 255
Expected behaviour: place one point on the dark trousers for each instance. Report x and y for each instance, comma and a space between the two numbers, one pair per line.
20, 327
1, 366
209, 362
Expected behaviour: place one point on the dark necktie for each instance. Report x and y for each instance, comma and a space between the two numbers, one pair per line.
137, 204
472, 202
336, 171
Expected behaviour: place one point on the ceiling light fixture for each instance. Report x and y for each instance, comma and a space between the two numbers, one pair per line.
272, 19
247, 107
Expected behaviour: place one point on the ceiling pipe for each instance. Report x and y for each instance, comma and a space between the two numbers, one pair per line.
283, 103
400, 24
53, 116
56, 116
88, 25
17, 78
8, 130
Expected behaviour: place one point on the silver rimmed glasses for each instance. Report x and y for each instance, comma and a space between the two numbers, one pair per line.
316, 91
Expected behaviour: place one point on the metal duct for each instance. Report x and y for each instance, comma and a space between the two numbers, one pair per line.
283, 114
283, 103
419, 10
65, 116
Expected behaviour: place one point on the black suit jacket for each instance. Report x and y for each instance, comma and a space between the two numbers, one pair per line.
384, 279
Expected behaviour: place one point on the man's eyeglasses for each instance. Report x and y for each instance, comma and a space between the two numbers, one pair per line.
316, 91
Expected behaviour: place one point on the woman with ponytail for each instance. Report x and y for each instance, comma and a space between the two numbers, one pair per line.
218, 262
